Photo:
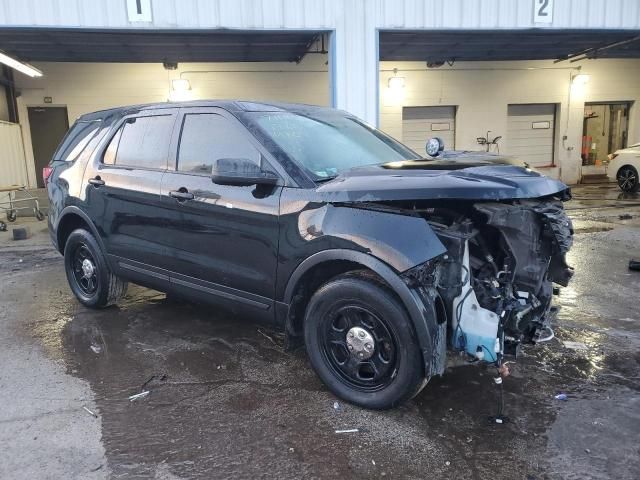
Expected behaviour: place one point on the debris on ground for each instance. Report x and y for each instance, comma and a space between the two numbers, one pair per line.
161, 378
561, 396
634, 265
21, 233
625, 216
139, 396
97, 349
93, 414
336, 406
574, 345
267, 336
349, 430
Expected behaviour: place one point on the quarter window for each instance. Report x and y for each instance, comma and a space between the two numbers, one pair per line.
206, 137
76, 140
141, 142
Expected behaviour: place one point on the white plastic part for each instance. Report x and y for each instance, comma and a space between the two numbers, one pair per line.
475, 328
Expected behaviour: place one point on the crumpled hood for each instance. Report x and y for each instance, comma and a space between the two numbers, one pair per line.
440, 179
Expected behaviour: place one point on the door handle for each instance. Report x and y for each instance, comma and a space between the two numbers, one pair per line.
181, 195
96, 182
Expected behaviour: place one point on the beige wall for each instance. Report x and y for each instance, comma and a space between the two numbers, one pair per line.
4, 108
87, 87
483, 90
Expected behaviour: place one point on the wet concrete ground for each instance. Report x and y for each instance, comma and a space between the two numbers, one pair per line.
227, 401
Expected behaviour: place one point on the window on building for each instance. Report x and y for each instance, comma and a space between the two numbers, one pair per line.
206, 137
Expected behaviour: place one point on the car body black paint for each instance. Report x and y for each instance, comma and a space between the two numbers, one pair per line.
247, 247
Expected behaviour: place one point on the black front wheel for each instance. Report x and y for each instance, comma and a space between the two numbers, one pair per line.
88, 274
628, 179
361, 343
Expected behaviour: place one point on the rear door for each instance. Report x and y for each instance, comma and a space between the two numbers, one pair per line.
224, 239
123, 193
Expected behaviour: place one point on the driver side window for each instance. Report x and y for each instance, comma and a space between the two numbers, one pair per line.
206, 137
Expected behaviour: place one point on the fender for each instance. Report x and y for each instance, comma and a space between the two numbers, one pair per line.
73, 210
401, 241
421, 310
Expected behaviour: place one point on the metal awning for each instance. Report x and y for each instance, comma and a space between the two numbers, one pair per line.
82, 45
488, 45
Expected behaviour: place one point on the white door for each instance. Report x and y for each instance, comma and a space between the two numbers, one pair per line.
419, 124
530, 133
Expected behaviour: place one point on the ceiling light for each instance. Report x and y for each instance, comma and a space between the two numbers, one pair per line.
396, 82
180, 85
20, 66
580, 79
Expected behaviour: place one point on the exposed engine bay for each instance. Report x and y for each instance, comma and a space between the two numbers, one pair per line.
496, 279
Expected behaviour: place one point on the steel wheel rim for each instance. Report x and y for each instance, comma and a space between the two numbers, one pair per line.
368, 374
86, 279
627, 179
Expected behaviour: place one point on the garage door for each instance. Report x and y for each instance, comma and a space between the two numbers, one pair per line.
530, 133
421, 123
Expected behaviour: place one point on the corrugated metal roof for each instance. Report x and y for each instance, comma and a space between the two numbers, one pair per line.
320, 14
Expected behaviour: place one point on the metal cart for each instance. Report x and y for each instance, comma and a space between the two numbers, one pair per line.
13, 204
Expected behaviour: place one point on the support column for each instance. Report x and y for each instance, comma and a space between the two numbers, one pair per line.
570, 162
354, 61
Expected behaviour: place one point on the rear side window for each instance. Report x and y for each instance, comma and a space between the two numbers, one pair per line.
206, 137
76, 140
141, 142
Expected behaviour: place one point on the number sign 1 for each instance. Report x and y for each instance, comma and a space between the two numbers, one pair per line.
542, 11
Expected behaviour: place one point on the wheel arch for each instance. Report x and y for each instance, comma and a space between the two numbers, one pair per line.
627, 165
423, 315
71, 219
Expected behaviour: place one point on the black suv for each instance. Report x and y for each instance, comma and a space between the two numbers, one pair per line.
378, 259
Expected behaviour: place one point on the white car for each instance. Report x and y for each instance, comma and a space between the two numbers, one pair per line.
623, 167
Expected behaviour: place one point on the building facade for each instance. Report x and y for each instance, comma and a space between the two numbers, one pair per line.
554, 79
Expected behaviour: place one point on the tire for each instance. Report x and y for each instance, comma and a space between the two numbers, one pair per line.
387, 376
627, 178
94, 285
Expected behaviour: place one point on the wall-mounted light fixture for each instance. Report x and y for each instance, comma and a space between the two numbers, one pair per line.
20, 66
396, 82
180, 85
580, 79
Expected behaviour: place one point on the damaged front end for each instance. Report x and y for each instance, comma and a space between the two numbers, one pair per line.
495, 280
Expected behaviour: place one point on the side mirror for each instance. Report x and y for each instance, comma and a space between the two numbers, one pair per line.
240, 172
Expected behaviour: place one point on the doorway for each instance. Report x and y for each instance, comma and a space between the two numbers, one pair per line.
605, 130
531, 132
419, 124
47, 125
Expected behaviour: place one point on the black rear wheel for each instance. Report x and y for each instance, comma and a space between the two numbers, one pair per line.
360, 342
88, 274
628, 179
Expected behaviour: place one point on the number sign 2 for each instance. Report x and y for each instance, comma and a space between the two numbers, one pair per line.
543, 11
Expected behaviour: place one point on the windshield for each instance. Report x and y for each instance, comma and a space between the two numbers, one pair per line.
328, 143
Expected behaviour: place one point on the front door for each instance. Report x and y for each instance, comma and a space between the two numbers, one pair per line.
223, 239
47, 125
123, 193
